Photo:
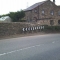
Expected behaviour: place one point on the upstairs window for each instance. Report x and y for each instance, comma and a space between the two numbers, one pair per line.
43, 12
52, 12
58, 12
58, 21
35, 10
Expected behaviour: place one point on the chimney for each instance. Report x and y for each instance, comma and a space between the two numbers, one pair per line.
54, 1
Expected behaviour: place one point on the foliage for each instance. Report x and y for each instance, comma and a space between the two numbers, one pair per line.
12, 16
15, 16
52, 28
0, 16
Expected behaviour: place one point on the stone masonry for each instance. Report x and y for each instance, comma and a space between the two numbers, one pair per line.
45, 13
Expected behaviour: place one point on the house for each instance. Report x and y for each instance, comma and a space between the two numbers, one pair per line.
43, 13
5, 19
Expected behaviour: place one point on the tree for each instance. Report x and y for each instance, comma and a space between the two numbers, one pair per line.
17, 16
12, 15
22, 14
0, 16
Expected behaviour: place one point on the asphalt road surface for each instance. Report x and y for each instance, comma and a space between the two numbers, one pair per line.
39, 47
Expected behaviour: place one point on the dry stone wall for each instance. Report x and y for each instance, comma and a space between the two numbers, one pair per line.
7, 29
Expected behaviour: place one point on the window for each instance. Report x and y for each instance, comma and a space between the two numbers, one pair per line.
58, 12
58, 21
52, 13
35, 10
51, 22
43, 11
51, 4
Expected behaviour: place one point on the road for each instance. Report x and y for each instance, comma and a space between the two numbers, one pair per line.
39, 47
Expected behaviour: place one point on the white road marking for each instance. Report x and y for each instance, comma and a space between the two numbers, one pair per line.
19, 50
53, 42
37, 45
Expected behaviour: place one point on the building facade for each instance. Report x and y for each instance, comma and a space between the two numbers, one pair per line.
43, 13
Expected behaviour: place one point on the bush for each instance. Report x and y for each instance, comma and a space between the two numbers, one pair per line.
22, 20
52, 28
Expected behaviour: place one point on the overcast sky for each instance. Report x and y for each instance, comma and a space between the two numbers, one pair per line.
7, 6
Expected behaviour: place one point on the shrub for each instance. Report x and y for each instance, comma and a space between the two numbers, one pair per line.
52, 28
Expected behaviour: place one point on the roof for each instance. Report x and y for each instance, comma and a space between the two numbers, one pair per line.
35, 5
58, 6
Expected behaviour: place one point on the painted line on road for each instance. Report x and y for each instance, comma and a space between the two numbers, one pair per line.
19, 50
53, 42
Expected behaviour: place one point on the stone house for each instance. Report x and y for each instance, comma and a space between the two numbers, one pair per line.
43, 13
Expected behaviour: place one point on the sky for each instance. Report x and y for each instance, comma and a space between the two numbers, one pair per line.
7, 6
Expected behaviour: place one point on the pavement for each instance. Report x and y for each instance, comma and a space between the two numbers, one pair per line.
38, 47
